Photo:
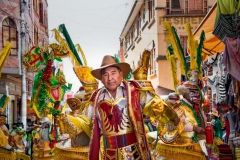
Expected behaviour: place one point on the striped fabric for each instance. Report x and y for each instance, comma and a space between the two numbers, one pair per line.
219, 82
225, 27
119, 141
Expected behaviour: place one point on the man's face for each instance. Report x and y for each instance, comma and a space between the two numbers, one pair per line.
112, 78
2, 120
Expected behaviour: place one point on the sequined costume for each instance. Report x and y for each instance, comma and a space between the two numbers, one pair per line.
120, 119
121, 123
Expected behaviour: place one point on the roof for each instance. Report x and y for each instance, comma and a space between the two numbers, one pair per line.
131, 17
211, 43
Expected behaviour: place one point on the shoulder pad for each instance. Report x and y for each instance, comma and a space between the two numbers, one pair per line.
93, 96
142, 84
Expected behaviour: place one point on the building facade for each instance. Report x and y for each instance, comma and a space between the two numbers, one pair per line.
35, 16
144, 30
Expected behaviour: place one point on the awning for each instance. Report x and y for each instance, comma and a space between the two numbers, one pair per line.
212, 44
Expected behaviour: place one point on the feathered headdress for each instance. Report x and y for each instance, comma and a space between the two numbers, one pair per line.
3, 104
172, 58
194, 48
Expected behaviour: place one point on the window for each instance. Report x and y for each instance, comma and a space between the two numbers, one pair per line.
43, 42
41, 16
35, 35
35, 5
196, 7
127, 41
28, 43
183, 41
205, 7
150, 9
186, 6
133, 31
10, 34
144, 12
175, 4
151, 47
139, 24
29, 87
45, 19
168, 7
132, 35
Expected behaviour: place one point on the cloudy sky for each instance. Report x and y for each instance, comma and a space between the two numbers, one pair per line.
95, 25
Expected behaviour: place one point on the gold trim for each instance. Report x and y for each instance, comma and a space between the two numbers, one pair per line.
132, 117
188, 152
64, 154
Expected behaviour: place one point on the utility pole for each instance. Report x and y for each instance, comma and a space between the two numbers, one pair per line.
23, 31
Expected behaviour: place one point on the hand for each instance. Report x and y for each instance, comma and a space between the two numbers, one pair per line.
199, 129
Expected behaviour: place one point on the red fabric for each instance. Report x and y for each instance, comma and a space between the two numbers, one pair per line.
54, 135
138, 118
227, 125
95, 141
94, 147
196, 109
116, 112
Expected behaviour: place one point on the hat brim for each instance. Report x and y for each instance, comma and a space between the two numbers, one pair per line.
3, 115
213, 114
125, 68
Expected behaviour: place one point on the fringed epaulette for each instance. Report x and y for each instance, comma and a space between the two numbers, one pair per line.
142, 85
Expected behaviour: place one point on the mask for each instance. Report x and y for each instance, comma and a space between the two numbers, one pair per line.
193, 76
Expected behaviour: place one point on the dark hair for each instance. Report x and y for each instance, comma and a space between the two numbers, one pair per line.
103, 70
234, 106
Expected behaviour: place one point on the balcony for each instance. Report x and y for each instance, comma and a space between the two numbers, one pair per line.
177, 11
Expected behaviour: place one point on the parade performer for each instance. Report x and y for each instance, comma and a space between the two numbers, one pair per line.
117, 111
189, 140
191, 90
181, 139
6, 140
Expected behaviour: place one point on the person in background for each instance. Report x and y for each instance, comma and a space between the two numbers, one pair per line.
217, 125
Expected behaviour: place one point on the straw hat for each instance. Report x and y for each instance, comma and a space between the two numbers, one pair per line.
109, 61
214, 113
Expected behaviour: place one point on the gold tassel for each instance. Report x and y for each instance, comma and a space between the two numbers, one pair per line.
22, 156
79, 154
185, 152
192, 47
79, 49
6, 154
62, 42
4, 54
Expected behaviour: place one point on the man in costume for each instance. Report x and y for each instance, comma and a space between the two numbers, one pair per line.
117, 112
